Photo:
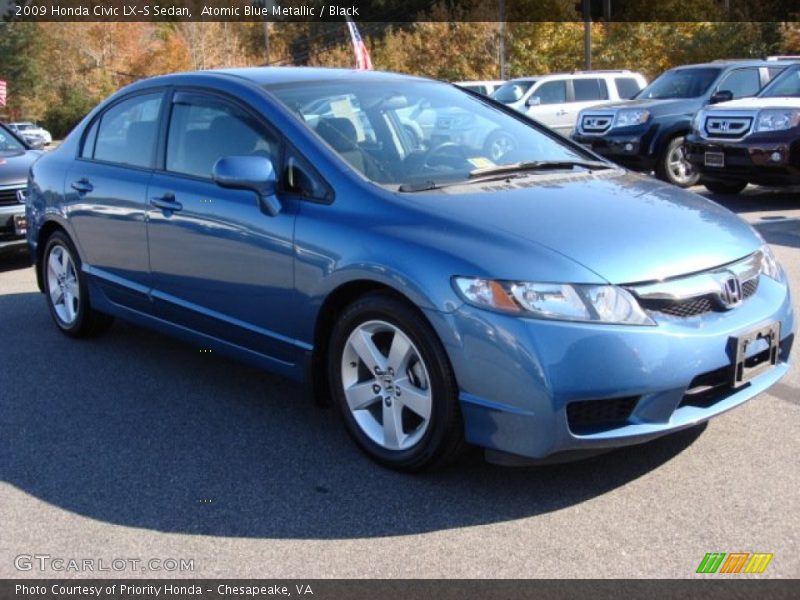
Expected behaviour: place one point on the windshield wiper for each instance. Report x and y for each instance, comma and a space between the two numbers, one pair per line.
538, 165
420, 186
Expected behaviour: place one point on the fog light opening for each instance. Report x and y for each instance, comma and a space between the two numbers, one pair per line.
776, 157
628, 147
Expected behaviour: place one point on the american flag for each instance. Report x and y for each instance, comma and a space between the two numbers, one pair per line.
363, 63
2, 93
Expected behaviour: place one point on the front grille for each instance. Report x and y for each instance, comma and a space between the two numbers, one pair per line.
691, 307
587, 416
8, 196
728, 127
708, 388
596, 123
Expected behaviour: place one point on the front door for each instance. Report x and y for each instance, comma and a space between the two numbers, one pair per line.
220, 265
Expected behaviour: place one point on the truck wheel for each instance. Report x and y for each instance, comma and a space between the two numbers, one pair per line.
725, 187
674, 167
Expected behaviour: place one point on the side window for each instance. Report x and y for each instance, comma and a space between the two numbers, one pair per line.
773, 72
128, 130
203, 129
300, 179
742, 82
552, 92
627, 87
87, 151
590, 89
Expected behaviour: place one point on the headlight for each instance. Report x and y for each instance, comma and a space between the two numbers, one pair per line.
770, 265
697, 123
631, 116
775, 119
558, 301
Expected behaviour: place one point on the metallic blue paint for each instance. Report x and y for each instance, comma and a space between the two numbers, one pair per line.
224, 274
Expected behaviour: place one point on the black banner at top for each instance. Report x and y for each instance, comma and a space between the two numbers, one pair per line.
401, 10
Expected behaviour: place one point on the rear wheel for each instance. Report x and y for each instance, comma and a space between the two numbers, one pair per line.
674, 167
725, 187
66, 290
393, 385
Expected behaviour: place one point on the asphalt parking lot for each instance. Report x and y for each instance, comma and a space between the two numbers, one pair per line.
139, 447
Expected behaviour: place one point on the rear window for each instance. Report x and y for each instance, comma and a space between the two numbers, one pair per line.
627, 87
590, 89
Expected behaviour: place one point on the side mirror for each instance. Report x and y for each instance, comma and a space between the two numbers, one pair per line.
533, 101
254, 173
721, 96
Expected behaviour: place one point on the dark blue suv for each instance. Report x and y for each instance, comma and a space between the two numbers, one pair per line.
647, 132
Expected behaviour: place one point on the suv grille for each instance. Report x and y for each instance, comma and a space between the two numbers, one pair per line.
588, 416
728, 127
8, 196
596, 123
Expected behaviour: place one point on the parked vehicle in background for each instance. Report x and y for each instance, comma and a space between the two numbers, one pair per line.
16, 158
482, 87
750, 140
32, 133
648, 132
545, 302
556, 99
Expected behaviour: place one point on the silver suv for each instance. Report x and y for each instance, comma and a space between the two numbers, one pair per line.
556, 99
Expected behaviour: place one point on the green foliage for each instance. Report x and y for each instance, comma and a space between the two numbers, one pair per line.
60, 118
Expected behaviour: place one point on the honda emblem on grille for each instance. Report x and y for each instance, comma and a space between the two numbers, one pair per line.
731, 292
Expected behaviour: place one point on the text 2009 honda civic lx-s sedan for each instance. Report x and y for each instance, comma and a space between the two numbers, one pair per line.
517, 293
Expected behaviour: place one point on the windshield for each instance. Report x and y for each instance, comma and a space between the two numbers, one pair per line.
680, 83
511, 92
25, 126
786, 85
9, 144
403, 132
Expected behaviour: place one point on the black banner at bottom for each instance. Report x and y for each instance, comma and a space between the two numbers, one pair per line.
396, 589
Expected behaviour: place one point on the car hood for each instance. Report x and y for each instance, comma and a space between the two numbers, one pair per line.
756, 103
657, 107
623, 227
14, 166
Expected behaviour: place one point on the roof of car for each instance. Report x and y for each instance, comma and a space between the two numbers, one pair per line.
279, 75
739, 62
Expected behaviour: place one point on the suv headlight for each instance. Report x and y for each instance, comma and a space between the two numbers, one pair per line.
776, 119
770, 265
631, 116
557, 301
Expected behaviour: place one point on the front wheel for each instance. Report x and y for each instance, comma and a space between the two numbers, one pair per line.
393, 385
66, 290
674, 167
725, 187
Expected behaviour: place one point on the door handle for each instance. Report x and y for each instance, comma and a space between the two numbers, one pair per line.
166, 202
82, 186
561, 113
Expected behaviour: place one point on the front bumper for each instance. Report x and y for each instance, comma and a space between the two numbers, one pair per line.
630, 147
518, 377
764, 159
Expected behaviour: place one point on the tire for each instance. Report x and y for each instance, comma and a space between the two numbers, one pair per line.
673, 167
725, 187
403, 412
66, 291
499, 144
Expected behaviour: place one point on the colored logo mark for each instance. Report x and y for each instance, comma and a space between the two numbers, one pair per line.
734, 562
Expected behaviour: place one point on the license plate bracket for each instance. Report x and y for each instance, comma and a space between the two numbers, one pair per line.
747, 367
714, 159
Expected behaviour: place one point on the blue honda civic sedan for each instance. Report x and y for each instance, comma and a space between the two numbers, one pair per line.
529, 297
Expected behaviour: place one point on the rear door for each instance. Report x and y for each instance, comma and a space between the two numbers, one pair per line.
221, 266
106, 193
587, 92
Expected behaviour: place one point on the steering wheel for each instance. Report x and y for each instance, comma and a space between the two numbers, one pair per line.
447, 153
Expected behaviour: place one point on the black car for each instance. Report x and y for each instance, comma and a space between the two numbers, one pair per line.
16, 158
648, 132
751, 140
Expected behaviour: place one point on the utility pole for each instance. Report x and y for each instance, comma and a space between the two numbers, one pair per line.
501, 18
266, 42
587, 36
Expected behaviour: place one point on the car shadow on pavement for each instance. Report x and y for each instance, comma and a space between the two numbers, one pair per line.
13, 259
139, 430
